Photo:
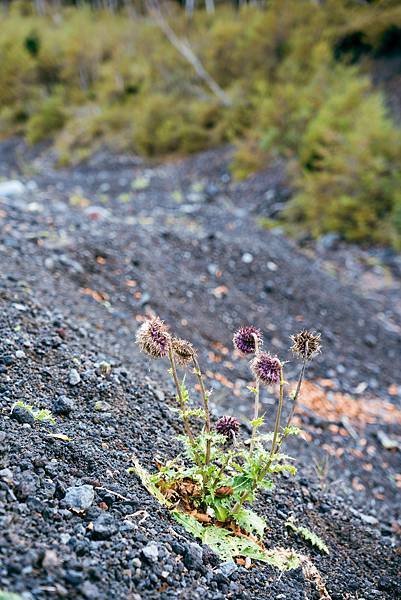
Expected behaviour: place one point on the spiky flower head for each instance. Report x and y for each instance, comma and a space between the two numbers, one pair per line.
183, 350
306, 344
244, 339
153, 338
266, 368
227, 426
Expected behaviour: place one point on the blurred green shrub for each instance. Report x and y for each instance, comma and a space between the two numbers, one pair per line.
50, 118
87, 78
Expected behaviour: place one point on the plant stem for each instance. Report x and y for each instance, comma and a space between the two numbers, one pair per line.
222, 469
205, 400
298, 389
257, 399
185, 419
278, 415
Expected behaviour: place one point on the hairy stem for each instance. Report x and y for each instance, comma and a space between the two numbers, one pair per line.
181, 401
223, 467
298, 389
205, 401
264, 471
257, 399
278, 415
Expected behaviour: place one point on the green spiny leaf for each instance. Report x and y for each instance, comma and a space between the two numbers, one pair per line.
256, 423
308, 535
291, 430
147, 481
250, 521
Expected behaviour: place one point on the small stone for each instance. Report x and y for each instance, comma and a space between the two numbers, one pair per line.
228, 568
368, 519
22, 415
102, 406
11, 188
79, 497
272, 266
151, 552
386, 442
63, 405
193, 556
104, 527
247, 258
20, 354
90, 590
27, 484
370, 340
137, 563
50, 560
6, 475
74, 377
104, 368
160, 395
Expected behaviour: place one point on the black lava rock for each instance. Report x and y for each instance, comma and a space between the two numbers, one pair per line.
104, 527
63, 405
22, 415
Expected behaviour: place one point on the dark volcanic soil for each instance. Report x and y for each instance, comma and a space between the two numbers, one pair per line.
85, 254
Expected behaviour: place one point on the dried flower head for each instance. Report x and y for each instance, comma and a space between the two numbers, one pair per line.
306, 344
183, 350
227, 426
153, 338
244, 339
266, 368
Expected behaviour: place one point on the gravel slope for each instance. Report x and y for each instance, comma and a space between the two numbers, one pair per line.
84, 255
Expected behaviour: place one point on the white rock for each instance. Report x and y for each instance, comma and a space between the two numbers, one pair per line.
11, 188
151, 551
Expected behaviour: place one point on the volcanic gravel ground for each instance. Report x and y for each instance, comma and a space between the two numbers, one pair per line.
85, 254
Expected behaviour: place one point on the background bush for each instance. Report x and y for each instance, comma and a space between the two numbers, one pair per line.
295, 72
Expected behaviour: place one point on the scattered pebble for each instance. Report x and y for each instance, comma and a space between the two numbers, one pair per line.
79, 497
104, 527
151, 551
22, 415
74, 377
63, 405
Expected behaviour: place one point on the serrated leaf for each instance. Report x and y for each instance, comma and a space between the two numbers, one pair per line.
256, 423
189, 523
291, 430
44, 415
147, 481
283, 468
228, 546
308, 535
247, 519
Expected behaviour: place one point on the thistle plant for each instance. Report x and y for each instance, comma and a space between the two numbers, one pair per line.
220, 471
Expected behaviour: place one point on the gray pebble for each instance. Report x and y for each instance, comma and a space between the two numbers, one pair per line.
80, 497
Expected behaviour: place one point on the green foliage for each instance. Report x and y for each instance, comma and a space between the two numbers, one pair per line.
228, 546
50, 118
308, 535
251, 522
208, 486
349, 179
42, 415
147, 481
9, 596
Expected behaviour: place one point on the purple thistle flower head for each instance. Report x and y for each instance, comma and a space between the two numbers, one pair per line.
153, 338
244, 339
266, 368
227, 426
